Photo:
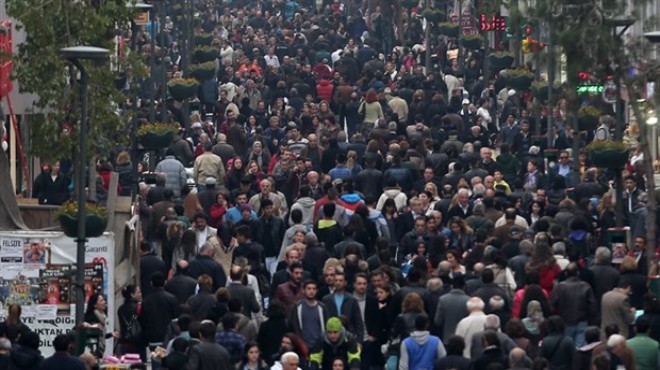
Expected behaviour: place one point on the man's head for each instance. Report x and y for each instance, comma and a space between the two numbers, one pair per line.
475, 304
333, 329
5, 346
640, 243
61, 343
201, 220
486, 154
296, 271
310, 288
360, 284
339, 282
630, 183
265, 186
289, 361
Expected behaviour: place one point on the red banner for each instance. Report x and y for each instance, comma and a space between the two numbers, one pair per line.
5, 58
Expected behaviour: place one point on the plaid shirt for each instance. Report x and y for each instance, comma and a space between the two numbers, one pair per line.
233, 343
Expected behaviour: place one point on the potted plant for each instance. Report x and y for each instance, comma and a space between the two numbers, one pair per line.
156, 135
202, 38
500, 60
540, 89
519, 79
588, 118
203, 71
450, 29
472, 41
433, 15
608, 153
96, 219
409, 4
182, 88
203, 54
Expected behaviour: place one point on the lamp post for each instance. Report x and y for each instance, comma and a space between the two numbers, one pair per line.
619, 25
76, 55
651, 219
142, 8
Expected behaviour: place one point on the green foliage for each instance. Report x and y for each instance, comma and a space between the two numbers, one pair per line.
40, 70
599, 145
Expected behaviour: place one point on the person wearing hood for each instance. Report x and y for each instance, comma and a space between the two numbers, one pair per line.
335, 343
305, 204
421, 349
350, 199
26, 355
392, 191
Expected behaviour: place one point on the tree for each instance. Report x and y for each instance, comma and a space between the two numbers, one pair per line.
41, 70
590, 39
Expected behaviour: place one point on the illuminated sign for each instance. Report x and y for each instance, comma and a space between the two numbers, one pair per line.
492, 23
590, 89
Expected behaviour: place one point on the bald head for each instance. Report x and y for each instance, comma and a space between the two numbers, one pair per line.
517, 358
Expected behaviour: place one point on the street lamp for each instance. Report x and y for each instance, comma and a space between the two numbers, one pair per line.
76, 55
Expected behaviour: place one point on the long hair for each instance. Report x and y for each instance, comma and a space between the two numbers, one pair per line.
412, 303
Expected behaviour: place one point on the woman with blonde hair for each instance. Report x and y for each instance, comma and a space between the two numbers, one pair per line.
404, 324
352, 164
606, 217
126, 176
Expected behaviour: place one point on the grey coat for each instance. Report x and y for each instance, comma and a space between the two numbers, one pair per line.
452, 308
175, 174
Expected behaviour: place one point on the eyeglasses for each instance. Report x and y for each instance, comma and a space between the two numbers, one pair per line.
563, 157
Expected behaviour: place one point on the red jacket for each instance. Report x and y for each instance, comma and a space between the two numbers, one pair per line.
324, 90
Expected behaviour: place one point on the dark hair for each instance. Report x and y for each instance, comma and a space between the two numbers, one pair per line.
422, 322
207, 329
234, 305
229, 321
555, 324
276, 309
30, 339
248, 346
157, 279
61, 343
183, 322
329, 209
455, 345
91, 303
487, 276
643, 324
179, 345
128, 291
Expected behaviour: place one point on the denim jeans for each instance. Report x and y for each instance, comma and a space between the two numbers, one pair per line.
576, 332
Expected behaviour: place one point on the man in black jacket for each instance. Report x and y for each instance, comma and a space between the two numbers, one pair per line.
343, 303
158, 310
205, 264
150, 263
181, 285
208, 355
242, 292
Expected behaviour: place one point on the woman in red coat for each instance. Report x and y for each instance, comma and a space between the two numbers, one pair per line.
543, 262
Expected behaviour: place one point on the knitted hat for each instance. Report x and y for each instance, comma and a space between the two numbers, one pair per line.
333, 324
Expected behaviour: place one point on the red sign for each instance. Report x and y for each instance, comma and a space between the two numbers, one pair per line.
5, 58
467, 22
492, 23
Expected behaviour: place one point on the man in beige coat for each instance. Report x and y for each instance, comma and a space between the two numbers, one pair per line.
208, 165
615, 308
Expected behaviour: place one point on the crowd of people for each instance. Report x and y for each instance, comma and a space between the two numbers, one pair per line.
334, 205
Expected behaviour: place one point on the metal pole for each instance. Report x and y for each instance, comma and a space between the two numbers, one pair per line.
427, 37
460, 34
80, 186
551, 82
161, 23
152, 76
618, 135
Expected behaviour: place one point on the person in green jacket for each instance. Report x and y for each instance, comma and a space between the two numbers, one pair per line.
335, 343
646, 350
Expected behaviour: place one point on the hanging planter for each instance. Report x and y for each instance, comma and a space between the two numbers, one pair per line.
519, 79
433, 15
541, 89
156, 135
182, 89
203, 54
608, 153
588, 118
472, 41
409, 4
96, 219
203, 38
203, 71
500, 60
450, 29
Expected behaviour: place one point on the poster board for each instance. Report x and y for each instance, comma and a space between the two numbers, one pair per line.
37, 271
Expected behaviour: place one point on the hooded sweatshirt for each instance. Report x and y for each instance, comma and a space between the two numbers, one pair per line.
420, 351
26, 358
351, 202
306, 206
400, 198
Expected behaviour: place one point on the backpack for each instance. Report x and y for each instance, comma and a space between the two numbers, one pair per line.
579, 243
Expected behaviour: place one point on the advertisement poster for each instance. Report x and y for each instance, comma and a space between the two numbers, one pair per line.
37, 271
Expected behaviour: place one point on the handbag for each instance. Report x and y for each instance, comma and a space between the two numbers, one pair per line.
133, 330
